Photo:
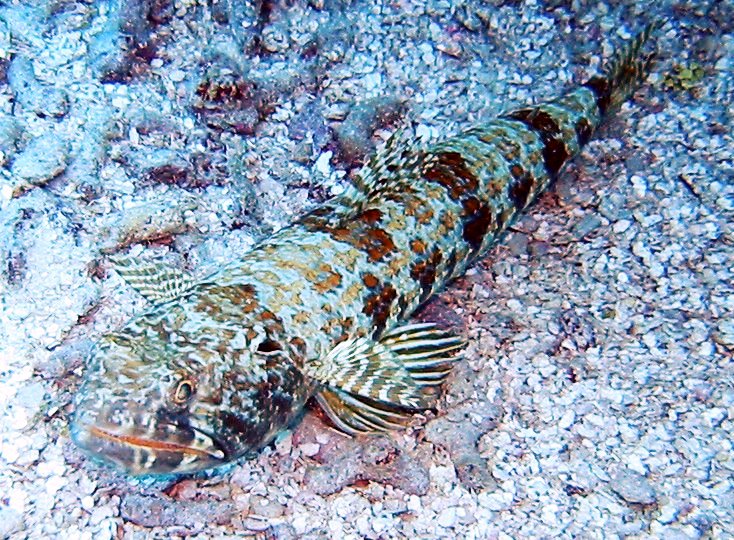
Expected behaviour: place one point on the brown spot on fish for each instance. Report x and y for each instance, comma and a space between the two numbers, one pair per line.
449, 169
448, 220
425, 217
379, 244
418, 246
269, 346
330, 280
371, 216
424, 272
377, 305
361, 232
353, 292
370, 280
509, 148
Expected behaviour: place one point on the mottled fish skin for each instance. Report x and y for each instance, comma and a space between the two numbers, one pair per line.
218, 370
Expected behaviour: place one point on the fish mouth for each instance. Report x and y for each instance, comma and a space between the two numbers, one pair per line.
141, 454
212, 450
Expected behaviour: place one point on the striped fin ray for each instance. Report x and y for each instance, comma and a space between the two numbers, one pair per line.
625, 72
155, 281
356, 414
374, 386
425, 351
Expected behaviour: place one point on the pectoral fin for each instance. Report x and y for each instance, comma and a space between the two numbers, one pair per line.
374, 386
155, 281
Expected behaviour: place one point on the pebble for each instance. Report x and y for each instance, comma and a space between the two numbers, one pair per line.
9, 134
447, 517
87, 502
633, 487
309, 449
30, 397
11, 522
177, 75
322, 163
586, 226
44, 158
621, 226
567, 420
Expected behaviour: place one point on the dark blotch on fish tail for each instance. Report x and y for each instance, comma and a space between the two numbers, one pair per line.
555, 152
477, 217
624, 72
602, 91
521, 186
450, 264
450, 170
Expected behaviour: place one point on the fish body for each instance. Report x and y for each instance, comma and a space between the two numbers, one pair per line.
218, 367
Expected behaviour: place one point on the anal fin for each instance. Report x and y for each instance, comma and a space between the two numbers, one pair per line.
355, 414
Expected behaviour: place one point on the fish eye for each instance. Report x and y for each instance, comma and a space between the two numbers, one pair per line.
184, 391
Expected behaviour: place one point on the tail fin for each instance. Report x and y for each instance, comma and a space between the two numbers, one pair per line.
624, 73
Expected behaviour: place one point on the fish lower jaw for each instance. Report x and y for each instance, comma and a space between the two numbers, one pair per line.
141, 454
165, 446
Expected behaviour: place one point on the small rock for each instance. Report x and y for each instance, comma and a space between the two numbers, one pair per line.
55, 102
354, 134
44, 158
586, 226
177, 75
9, 133
33, 95
322, 164
518, 243
621, 226
567, 420
633, 487
30, 397
447, 518
10, 522
164, 512
458, 432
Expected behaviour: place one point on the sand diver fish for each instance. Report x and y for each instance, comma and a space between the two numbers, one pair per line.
217, 367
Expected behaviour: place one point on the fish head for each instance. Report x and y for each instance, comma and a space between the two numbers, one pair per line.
133, 410
149, 410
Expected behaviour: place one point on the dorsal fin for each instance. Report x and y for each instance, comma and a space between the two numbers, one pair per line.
392, 165
156, 282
